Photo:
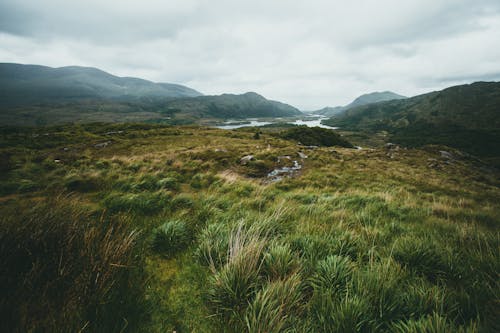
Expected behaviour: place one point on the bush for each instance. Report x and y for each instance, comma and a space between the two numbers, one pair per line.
170, 238
315, 136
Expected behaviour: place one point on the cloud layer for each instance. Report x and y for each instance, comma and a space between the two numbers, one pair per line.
306, 53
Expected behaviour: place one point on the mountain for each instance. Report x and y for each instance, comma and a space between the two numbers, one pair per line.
232, 106
374, 97
40, 95
466, 117
32, 84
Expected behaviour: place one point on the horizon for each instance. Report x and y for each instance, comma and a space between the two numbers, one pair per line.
307, 55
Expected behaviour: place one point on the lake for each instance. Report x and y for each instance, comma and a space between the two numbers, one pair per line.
256, 123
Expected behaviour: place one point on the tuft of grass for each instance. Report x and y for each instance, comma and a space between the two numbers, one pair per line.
170, 238
232, 286
333, 273
280, 262
276, 306
433, 323
350, 314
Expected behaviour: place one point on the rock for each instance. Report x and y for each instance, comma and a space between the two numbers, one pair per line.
245, 159
391, 146
219, 150
57, 161
302, 155
446, 155
113, 132
102, 144
285, 157
311, 147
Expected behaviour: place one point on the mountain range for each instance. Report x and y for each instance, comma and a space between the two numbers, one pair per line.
32, 84
38, 95
466, 117
374, 97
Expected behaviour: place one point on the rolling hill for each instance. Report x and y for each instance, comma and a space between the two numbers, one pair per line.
40, 95
227, 106
374, 97
23, 85
465, 117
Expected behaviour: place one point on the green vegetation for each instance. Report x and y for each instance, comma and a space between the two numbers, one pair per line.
365, 99
315, 136
464, 117
154, 228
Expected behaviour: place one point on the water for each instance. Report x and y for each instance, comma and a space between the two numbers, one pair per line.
251, 123
255, 123
312, 123
278, 174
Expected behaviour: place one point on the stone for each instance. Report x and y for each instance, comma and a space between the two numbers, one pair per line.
245, 159
302, 155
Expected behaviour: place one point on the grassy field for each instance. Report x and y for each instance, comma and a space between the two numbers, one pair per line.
148, 228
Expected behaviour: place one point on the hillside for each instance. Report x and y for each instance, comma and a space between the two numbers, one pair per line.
38, 95
152, 228
466, 117
232, 106
374, 97
24, 85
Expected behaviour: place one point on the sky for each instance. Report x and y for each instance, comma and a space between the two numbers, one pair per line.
309, 54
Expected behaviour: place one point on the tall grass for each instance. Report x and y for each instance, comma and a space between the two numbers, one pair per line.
62, 269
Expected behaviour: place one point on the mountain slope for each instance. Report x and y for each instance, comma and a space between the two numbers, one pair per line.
466, 117
374, 97
232, 106
31, 84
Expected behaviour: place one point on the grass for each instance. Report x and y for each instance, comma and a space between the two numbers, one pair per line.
180, 236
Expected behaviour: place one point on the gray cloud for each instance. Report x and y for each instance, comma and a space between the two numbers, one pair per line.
307, 53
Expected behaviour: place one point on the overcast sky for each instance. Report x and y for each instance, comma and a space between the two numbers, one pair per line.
306, 53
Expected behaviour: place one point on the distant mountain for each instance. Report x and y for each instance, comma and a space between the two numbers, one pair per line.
32, 84
466, 117
374, 97
40, 95
232, 106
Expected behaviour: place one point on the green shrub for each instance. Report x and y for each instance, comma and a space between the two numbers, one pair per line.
170, 238
315, 136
